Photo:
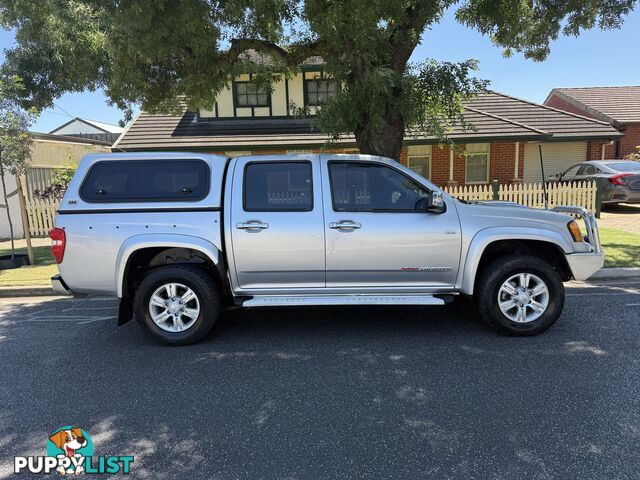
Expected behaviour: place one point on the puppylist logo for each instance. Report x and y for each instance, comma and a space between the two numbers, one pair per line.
70, 451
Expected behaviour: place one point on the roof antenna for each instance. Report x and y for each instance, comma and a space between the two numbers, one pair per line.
544, 183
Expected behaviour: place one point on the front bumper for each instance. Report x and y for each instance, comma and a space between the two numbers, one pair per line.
620, 194
58, 285
585, 264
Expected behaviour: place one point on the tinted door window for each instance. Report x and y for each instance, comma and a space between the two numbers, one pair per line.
587, 170
146, 181
571, 172
278, 186
366, 187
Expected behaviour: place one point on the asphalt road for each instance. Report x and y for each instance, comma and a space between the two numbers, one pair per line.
332, 393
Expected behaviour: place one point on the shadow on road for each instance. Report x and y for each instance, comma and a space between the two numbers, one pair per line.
332, 392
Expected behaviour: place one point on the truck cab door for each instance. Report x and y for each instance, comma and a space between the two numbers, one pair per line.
378, 232
276, 223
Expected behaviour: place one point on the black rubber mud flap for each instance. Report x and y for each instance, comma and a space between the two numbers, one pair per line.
125, 311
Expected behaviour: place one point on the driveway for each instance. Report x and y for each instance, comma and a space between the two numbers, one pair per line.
621, 217
332, 393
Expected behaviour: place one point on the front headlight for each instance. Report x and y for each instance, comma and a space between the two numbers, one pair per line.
574, 229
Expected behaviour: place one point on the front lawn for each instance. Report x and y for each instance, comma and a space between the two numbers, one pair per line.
38, 274
621, 249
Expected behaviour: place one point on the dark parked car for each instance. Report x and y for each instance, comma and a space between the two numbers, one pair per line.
619, 179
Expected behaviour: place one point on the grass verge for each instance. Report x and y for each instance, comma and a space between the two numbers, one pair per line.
38, 274
621, 249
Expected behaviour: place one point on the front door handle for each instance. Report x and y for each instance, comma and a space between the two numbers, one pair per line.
345, 225
252, 226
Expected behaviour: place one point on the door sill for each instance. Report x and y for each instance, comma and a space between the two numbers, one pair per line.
310, 300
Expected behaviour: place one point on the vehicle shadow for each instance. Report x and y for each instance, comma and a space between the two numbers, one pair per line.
621, 209
457, 319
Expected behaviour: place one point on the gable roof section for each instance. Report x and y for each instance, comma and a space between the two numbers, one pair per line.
494, 116
105, 127
613, 104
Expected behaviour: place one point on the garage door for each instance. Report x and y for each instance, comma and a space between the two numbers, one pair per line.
557, 157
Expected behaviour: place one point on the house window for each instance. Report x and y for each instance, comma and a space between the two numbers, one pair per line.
420, 164
318, 91
477, 163
250, 94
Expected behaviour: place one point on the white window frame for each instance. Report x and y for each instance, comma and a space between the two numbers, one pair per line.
477, 151
423, 155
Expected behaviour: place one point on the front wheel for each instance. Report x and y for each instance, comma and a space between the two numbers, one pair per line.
177, 305
519, 295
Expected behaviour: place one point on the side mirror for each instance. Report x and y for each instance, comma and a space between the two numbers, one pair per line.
435, 202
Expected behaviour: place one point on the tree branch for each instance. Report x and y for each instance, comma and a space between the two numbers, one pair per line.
406, 34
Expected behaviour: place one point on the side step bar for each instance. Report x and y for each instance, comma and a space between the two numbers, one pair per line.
306, 300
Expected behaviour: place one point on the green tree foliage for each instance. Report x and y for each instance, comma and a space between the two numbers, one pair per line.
159, 53
15, 141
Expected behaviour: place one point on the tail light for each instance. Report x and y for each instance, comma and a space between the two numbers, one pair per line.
618, 179
58, 241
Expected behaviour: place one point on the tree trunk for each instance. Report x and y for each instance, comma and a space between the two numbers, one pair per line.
391, 138
25, 220
390, 142
6, 203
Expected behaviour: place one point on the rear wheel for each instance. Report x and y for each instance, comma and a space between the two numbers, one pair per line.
177, 305
519, 295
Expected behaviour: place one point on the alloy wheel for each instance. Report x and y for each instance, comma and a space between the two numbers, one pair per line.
174, 307
523, 298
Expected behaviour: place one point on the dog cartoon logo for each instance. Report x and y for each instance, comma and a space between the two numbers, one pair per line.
72, 443
70, 452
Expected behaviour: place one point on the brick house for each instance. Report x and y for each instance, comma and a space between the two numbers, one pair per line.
618, 106
249, 119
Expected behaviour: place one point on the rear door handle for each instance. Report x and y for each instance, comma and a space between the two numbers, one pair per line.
345, 225
252, 226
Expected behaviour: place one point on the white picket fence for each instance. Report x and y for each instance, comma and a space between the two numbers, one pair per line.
582, 194
41, 214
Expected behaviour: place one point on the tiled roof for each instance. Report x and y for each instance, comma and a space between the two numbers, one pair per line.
494, 116
559, 124
615, 104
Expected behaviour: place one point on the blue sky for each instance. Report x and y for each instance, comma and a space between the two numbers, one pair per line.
595, 58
